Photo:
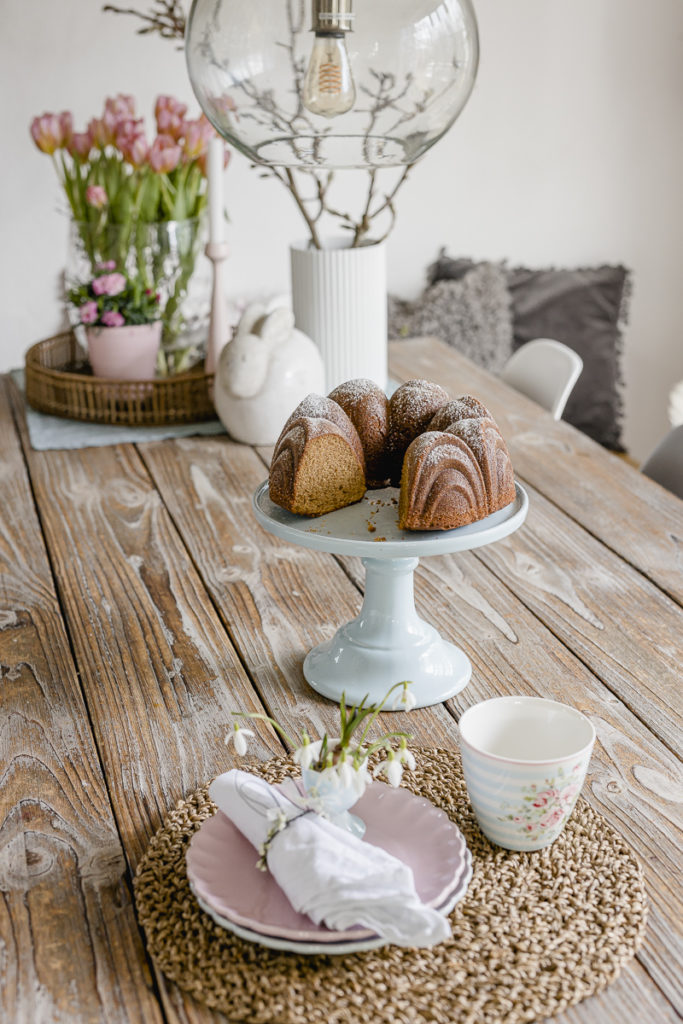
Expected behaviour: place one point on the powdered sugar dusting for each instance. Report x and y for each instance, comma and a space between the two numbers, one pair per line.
472, 433
313, 406
417, 398
464, 407
355, 391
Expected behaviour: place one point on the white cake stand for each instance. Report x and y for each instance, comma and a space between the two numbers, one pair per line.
388, 641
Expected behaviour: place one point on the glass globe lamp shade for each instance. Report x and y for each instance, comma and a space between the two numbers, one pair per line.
332, 83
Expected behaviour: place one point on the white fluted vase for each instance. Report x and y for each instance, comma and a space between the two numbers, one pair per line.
339, 298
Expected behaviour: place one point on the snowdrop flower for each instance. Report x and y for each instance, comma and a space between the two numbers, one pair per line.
306, 754
405, 756
392, 768
348, 775
404, 699
239, 736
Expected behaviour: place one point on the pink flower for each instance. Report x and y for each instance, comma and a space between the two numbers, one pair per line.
195, 137
568, 793
112, 319
169, 114
109, 284
88, 312
46, 132
96, 196
66, 123
119, 108
80, 144
108, 265
164, 155
99, 133
131, 140
553, 817
545, 797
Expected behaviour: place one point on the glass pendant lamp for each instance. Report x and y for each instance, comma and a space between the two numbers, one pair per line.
307, 87
332, 83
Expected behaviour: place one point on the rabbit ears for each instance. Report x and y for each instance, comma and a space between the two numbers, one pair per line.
272, 325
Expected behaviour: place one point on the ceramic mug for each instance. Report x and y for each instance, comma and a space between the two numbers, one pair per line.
525, 760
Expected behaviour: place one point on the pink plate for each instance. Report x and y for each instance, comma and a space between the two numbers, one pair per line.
221, 865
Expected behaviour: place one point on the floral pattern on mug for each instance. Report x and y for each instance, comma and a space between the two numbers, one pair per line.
544, 811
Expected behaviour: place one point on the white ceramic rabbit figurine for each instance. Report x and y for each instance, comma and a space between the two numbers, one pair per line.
263, 373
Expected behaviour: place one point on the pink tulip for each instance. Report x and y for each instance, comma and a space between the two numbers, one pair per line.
119, 108
164, 155
66, 123
170, 114
96, 196
195, 137
99, 133
128, 129
79, 145
46, 132
131, 141
171, 105
112, 318
88, 312
109, 284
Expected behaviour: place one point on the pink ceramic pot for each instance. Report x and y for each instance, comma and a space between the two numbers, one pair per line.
124, 353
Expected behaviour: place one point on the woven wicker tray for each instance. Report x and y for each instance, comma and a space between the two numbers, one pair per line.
59, 382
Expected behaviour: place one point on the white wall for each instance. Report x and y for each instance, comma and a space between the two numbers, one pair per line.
570, 152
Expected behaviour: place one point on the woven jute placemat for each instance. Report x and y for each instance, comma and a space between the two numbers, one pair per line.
536, 932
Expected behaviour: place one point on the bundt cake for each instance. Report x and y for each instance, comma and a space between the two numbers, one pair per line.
449, 457
367, 407
455, 477
318, 463
411, 408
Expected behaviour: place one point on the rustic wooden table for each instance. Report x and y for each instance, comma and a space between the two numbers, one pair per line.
140, 603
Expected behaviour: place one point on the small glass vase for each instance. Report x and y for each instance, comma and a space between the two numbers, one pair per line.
334, 799
169, 258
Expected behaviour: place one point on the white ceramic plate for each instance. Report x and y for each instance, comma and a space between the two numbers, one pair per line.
346, 531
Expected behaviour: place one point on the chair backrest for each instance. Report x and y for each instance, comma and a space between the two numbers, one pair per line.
665, 464
546, 371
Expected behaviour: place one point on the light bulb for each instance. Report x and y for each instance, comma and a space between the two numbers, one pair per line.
328, 85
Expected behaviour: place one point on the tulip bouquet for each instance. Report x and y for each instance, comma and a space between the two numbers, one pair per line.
135, 202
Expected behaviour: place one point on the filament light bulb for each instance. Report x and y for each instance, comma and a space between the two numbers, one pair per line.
328, 86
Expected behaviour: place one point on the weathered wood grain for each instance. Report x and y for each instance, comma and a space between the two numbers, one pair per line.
621, 625
278, 601
157, 670
70, 948
634, 780
629, 513
158, 580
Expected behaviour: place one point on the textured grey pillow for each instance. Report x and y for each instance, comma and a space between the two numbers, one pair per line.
584, 307
472, 314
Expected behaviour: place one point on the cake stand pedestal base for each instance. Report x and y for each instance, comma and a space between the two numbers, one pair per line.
387, 643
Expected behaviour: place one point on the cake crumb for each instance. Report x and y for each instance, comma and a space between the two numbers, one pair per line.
371, 527
378, 539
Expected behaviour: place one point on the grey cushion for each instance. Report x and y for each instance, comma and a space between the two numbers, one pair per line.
472, 313
586, 308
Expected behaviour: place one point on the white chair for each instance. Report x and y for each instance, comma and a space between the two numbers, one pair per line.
665, 463
546, 371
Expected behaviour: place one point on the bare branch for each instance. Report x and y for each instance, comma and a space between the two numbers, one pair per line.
166, 17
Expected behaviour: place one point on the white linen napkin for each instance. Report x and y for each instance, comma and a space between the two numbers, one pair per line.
325, 871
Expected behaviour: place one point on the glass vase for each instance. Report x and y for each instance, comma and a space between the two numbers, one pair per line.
169, 258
